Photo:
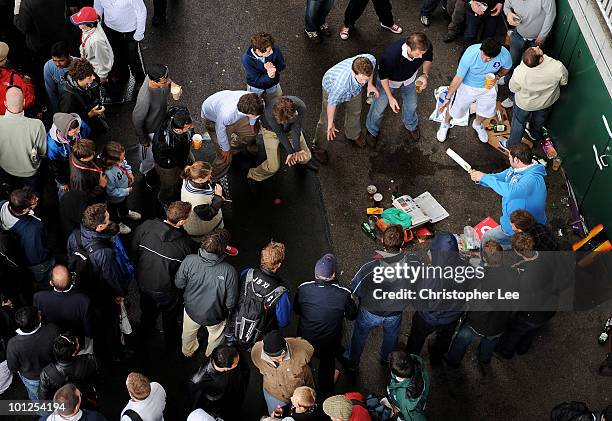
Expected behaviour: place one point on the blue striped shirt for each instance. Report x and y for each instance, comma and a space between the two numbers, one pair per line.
339, 82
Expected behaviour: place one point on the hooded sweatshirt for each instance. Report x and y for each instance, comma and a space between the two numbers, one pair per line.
522, 188
210, 287
30, 232
410, 395
59, 144
444, 253
97, 50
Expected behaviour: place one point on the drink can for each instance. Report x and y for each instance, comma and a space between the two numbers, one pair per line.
377, 199
483, 6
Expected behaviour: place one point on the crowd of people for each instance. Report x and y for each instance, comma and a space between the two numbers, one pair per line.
63, 316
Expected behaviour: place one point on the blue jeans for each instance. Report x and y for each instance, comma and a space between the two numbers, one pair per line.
409, 105
464, 338
429, 6
520, 118
31, 386
272, 92
316, 13
473, 24
366, 321
518, 45
499, 235
272, 402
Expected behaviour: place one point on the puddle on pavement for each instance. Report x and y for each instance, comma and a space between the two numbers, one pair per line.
402, 161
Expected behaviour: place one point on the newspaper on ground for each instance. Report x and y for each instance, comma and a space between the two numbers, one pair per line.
423, 208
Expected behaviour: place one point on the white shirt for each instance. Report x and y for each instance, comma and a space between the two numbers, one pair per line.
151, 408
124, 15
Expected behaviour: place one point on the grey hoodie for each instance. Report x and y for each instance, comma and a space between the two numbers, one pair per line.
210, 287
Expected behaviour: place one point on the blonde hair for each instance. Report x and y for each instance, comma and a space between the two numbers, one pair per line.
272, 255
198, 169
138, 385
305, 396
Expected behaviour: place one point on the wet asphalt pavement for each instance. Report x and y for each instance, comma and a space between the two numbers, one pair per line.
202, 43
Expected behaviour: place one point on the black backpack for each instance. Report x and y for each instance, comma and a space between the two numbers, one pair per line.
571, 411
252, 310
79, 263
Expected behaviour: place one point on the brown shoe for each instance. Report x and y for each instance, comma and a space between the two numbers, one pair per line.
360, 141
320, 155
371, 140
415, 134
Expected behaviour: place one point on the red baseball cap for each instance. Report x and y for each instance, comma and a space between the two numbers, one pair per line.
85, 16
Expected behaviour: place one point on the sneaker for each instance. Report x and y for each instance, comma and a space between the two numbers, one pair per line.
344, 33
507, 103
502, 81
313, 37
503, 142
324, 29
396, 29
124, 229
371, 140
425, 20
482, 133
529, 134
134, 216
442, 132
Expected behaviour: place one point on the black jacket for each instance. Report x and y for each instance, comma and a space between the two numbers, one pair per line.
323, 305
70, 310
29, 354
219, 393
109, 279
73, 99
82, 371
43, 22
171, 150
159, 249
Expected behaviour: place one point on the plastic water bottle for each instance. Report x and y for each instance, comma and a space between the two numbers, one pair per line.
471, 239
441, 100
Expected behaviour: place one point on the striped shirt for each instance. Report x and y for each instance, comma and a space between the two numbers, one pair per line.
123, 15
339, 82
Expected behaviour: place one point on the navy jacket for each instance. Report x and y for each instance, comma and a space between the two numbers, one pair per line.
30, 232
323, 305
69, 309
256, 74
109, 277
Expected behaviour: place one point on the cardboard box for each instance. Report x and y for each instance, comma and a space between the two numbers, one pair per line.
505, 119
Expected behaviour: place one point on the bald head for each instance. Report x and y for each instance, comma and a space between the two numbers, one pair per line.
60, 277
14, 100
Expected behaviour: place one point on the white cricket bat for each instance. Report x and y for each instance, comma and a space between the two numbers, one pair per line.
455, 157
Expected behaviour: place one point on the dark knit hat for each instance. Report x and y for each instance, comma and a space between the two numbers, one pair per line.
274, 344
326, 266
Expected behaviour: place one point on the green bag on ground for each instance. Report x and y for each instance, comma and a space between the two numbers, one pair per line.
394, 216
